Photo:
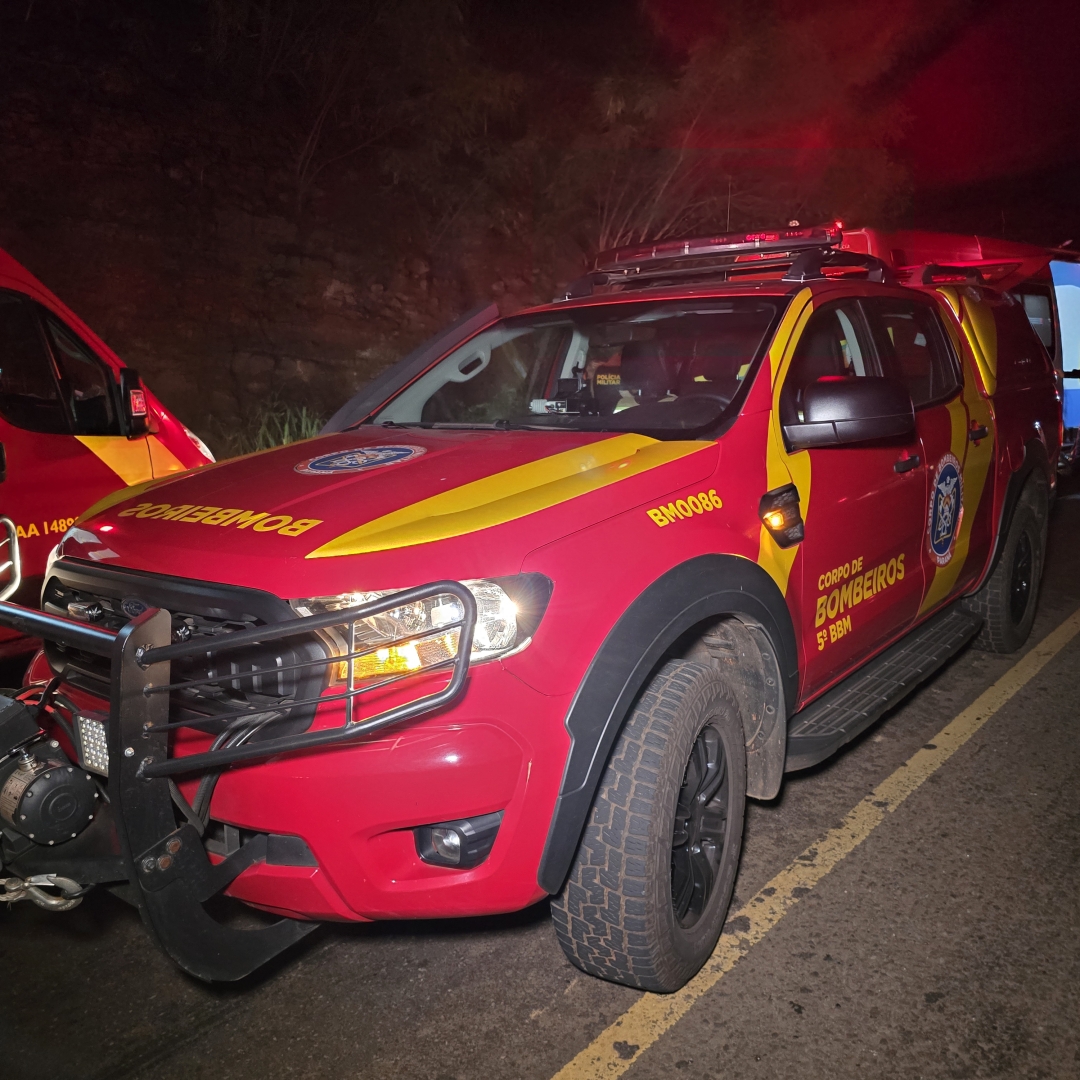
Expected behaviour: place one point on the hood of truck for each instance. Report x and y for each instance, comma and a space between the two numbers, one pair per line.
457, 502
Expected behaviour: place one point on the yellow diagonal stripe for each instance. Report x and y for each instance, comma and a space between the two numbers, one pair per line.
511, 494
128, 458
162, 459
118, 496
654, 1014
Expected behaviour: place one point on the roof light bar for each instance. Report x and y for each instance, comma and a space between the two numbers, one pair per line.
766, 240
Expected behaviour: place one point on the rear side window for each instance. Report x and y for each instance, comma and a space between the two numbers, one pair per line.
1039, 308
1020, 353
914, 348
89, 395
29, 394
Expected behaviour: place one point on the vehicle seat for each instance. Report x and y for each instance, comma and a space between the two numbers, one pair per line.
820, 356
713, 368
92, 415
643, 372
913, 358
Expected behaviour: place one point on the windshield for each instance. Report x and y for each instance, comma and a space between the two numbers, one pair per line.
653, 367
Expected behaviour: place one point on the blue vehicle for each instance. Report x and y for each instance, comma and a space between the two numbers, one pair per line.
1066, 292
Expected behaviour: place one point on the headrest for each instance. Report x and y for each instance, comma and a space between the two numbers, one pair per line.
643, 371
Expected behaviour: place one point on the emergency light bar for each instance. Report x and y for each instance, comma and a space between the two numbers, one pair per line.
807, 251
768, 240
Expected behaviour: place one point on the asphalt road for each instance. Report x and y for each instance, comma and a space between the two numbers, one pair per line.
945, 944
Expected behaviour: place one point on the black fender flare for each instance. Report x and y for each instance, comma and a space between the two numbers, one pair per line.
1035, 461
694, 591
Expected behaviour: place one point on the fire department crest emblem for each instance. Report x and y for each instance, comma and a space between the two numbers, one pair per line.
946, 509
359, 460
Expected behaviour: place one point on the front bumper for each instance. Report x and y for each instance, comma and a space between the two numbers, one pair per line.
357, 804
502, 747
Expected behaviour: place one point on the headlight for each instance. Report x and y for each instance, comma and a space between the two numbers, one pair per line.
508, 610
199, 444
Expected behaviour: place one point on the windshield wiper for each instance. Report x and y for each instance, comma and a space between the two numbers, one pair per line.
465, 425
494, 425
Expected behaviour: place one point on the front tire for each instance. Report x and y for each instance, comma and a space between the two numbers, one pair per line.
1008, 598
652, 880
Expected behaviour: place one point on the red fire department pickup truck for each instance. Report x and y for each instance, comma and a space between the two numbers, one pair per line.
540, 609
75, 424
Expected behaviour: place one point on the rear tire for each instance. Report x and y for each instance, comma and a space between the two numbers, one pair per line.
652, 880
1008, 598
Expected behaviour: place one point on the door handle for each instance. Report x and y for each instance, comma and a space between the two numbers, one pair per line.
978, 433
906, 464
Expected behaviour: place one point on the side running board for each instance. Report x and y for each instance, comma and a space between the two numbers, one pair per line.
818, 731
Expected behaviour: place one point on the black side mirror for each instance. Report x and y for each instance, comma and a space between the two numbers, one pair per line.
851, 410
136, 411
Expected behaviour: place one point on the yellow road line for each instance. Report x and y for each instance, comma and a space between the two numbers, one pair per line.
653, 1014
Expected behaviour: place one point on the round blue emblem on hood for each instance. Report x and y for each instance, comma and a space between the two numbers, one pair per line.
358, 460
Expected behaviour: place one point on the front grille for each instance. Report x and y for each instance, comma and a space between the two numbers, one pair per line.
257, 676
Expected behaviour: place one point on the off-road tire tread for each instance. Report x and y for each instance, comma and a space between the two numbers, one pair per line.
991, 602
601, 918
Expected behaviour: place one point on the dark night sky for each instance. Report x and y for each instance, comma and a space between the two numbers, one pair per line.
1002, 99
989, 92
994, 136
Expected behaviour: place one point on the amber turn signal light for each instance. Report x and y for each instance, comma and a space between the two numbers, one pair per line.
779, 513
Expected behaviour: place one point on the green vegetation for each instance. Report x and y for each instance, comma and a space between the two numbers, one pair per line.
271, 423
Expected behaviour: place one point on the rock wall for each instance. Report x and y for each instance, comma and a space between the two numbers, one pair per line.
176, 233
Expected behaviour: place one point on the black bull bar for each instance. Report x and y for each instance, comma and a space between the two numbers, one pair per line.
167, 863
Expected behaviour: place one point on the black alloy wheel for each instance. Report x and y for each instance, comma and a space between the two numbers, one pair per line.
650, 887
1022, 573
697, 843
1008, 598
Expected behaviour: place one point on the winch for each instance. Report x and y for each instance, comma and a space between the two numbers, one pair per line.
43, 795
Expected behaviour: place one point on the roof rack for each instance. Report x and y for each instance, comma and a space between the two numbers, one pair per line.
936, 274
984, 273
806, 251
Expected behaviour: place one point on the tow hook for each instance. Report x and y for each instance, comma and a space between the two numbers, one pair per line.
33, 888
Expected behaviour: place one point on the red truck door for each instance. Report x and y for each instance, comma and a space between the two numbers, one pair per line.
861, 573
956, 431
61, 431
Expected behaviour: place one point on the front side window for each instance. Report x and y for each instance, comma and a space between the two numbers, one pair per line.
914, 348
88, 384
656, 367
834, 345
29, 393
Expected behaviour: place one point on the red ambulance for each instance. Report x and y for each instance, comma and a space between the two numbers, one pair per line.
75, 425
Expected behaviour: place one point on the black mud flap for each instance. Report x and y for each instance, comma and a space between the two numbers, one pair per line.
169, 867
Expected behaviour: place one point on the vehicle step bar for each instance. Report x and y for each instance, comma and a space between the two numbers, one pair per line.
838, 716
